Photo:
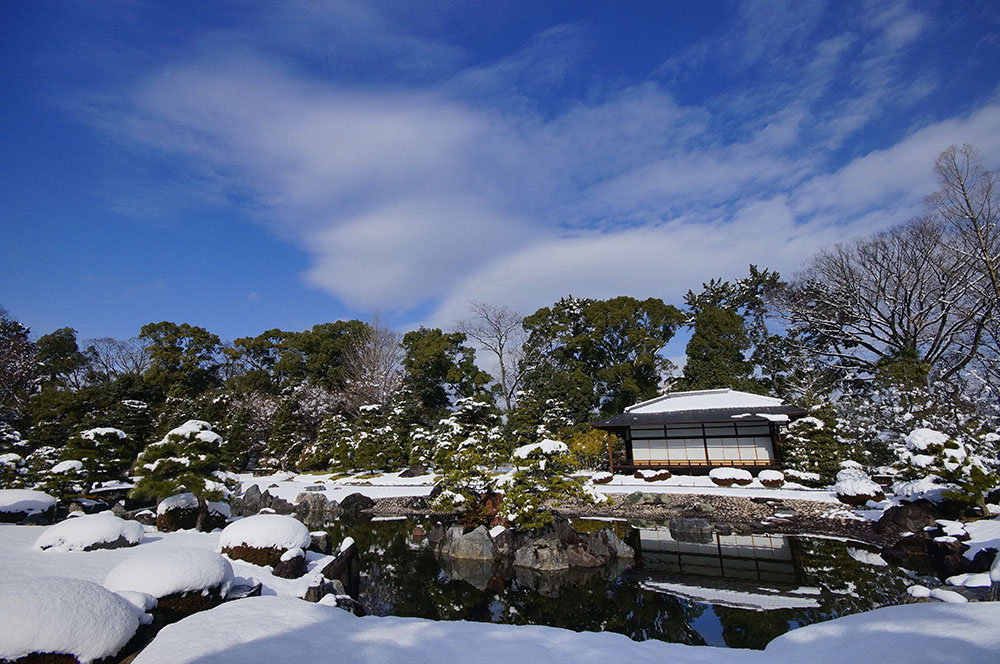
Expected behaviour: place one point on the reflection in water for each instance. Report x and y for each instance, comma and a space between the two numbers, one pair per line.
734, 590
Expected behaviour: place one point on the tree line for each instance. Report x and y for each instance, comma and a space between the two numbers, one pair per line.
875, 335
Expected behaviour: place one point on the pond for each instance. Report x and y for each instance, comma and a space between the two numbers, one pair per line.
739, 591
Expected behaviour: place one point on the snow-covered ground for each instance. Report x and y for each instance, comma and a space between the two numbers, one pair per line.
276, 630
391, 485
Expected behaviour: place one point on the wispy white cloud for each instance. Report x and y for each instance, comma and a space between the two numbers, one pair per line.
417, 198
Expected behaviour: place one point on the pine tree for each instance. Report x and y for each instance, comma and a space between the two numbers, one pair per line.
107, 453
332, 450
186, 460
814, 444
544, 472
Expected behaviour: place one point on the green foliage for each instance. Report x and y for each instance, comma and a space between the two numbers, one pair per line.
17, 367
439, 367
590, 447
612, 344
716, 352
286, 442
59, 362
107, 453
184, 359
186, 460
814, 444
543, 473
333, 449
468, 446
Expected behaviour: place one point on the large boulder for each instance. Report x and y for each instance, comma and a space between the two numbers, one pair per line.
416, 470
474, 545
315, 510
346, 568
355, 503
547, 554
911, 517
292, 564
178, 512
692, 530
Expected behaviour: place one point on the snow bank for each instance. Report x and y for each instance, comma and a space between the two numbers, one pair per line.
169, 571
87, 532
546, 446
277, 630
182, 501
60, 615
266, 531
925, 633
13, 501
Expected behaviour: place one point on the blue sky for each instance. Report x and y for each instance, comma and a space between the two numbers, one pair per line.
243, 166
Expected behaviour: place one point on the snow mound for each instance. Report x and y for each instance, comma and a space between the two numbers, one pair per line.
89, 531
265, 531
60, 615
13, 501
546, 447
925, 633
167, 572
930, 487
601, 477
921, 439
182, 501
771, 476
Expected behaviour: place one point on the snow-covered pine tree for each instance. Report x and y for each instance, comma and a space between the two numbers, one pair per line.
186, 460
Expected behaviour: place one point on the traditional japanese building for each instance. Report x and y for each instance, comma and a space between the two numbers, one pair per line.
703, 429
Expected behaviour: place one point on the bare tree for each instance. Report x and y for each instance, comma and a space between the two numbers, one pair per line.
967, 204
115, 357
373, 365
17, 366
500, 331
898, 294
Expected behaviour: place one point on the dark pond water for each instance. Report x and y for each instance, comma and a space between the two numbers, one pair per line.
739, 591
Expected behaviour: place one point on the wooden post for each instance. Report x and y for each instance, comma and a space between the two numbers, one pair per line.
611, 452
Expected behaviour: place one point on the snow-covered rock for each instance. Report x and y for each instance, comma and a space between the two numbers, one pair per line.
89, 532
182, 501
603, 477
166, 572
14, 502
61, 615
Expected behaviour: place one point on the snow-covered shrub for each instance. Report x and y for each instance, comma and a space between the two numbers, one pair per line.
772, 479
937, 466
61, 616
89, 532
815, 444
854, 487
543, 472
264, 538
730, 476
333, 448
185, 461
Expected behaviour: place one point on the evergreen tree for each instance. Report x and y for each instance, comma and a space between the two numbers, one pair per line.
285, 442
106, 453
439, 367
543, 473
716, 352
186, 460
333, 449
814, 444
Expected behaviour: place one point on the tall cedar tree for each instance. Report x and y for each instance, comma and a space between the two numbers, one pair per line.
715, 353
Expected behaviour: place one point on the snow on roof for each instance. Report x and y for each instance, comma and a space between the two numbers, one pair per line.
166, 572
266, 531
703, 400
24, 500
87, 531
61, 615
